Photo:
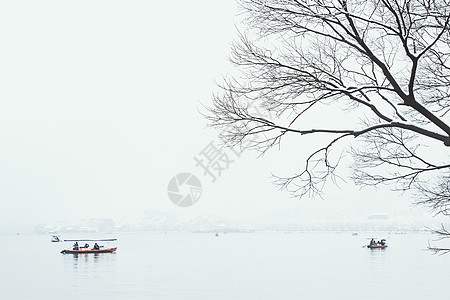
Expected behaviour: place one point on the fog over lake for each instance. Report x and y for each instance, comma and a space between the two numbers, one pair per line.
101, 107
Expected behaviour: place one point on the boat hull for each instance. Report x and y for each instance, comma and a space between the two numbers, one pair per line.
377, 246
86, 250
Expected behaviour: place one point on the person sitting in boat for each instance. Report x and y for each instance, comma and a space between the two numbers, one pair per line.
86, 245
372, 242
383, 242
96, 247
75, 246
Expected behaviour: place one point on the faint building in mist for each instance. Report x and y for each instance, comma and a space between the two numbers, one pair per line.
378, 216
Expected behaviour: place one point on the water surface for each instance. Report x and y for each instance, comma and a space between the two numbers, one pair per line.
231, 266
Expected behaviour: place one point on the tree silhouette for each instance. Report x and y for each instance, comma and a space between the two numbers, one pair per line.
369, 77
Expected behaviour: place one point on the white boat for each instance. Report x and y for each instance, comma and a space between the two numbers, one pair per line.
55, 238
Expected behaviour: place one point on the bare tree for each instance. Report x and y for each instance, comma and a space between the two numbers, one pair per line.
368, 76
442, 234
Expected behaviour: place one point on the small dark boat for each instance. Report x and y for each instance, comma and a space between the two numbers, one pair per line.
377, 246
87, 250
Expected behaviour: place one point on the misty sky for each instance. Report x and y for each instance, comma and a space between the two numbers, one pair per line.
100, 106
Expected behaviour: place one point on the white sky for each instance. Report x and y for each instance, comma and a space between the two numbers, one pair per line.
99, 108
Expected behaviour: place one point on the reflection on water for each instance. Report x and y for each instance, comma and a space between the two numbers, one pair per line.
378, 267
86, 274
377, 252
87, 260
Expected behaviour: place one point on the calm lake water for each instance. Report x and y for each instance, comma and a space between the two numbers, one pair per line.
231, 266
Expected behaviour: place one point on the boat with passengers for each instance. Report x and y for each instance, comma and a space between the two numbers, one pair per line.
86, 248
377, 245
